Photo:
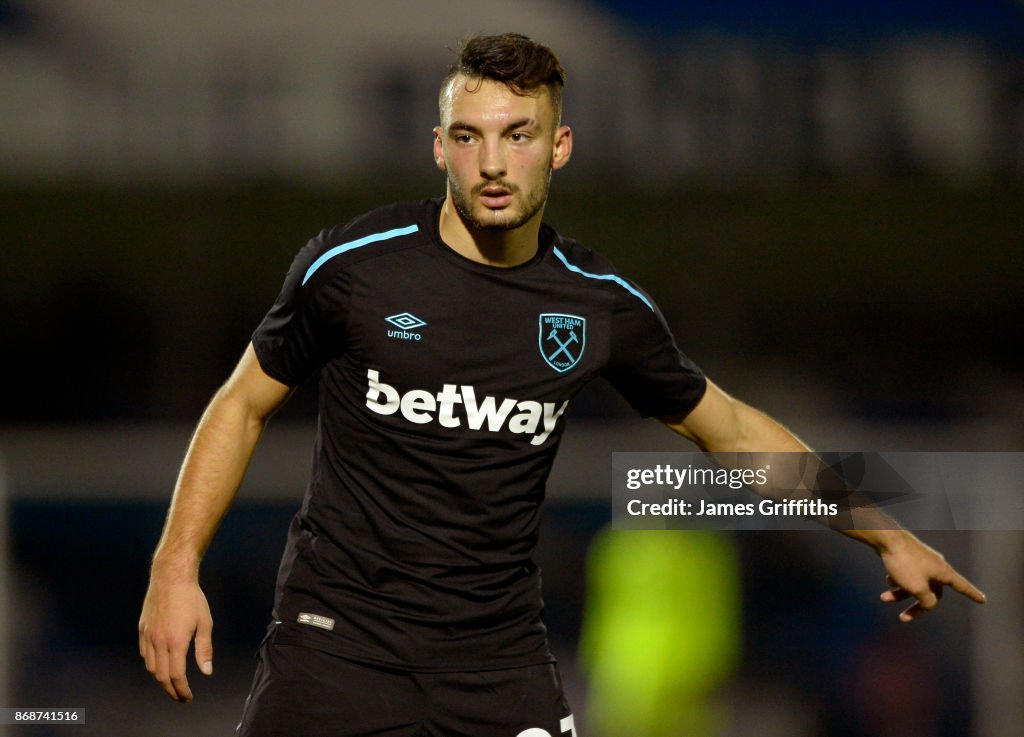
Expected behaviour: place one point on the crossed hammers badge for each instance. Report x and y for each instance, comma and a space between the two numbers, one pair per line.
562, 339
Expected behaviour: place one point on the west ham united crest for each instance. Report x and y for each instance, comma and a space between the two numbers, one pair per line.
562, 340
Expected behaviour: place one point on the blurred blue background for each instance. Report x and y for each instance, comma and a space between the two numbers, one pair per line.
824, 198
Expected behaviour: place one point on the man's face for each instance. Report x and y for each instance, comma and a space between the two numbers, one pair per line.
498, 150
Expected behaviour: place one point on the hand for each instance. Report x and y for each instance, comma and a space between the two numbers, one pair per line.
917, 571
172, 615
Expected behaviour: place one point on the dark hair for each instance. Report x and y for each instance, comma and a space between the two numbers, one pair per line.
513, 59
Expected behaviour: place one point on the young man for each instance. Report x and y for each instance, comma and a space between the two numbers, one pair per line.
449, 336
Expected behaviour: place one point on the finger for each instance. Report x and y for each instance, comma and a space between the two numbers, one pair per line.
895, 594
160, 669
968, 589
143, 643
926, 601
150, 657
169, 671
918, 610
176, 675
911, 613
179, 690
929, 599
204, 647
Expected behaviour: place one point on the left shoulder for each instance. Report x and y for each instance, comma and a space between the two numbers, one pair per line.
572, 254
582, 263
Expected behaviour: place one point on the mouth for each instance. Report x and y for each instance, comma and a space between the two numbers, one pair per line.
496, 197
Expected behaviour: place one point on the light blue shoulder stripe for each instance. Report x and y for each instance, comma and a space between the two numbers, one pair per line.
359, 243
604, 277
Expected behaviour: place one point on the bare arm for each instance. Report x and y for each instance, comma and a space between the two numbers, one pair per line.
721, 423
175, 608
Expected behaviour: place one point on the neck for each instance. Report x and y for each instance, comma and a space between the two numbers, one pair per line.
502, 248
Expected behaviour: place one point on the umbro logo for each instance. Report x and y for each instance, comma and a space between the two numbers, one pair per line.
406, 322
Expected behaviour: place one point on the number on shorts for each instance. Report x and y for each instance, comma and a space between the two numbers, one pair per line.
566, 725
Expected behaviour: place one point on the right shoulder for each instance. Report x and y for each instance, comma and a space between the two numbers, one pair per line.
375, 233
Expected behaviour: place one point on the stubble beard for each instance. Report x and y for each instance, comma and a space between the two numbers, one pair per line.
499, 220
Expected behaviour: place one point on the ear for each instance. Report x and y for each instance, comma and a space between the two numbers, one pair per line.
439, 150
563, 147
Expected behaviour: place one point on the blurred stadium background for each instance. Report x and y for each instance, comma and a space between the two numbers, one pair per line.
824, 197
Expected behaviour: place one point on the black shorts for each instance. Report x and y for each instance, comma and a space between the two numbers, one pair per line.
301, 692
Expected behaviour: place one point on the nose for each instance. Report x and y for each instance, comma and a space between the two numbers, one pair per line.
492, 160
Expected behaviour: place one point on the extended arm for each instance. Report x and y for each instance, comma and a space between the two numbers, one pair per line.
175, 609
720, 423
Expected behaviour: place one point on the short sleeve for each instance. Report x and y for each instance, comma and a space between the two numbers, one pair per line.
646, 366
305, 326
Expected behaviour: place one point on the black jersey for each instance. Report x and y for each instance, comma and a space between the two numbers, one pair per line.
443, 390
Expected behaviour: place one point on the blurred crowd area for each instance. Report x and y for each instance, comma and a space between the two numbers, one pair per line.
829, 194
328, 92
825, 199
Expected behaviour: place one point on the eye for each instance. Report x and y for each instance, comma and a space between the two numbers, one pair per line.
519, 137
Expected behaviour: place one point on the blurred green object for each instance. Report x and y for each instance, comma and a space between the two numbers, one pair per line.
661, 631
